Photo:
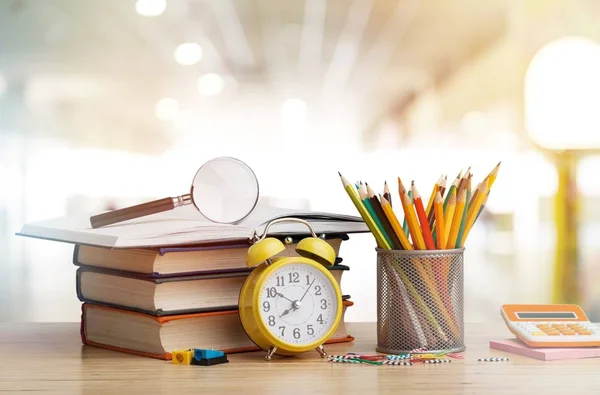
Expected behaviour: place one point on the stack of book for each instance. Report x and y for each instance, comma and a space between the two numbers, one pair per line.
171, 281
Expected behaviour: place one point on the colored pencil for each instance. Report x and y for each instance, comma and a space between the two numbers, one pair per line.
493, 174
413, 223
362, 193
474, 209
441, 187
405, 224
418, 203
395, 242
453, 187
387, 209
438, 209
449, 215
420, 302
490, 178
482, 207
464, 221
435, 297
463, 181
386, 193
381, 242
456, 221
436, 188
401, 191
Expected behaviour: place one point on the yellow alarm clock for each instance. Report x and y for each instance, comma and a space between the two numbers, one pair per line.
289, 305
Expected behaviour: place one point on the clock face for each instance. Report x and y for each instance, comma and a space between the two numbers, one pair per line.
298, 304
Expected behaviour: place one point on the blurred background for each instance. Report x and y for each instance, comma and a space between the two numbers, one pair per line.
114, 102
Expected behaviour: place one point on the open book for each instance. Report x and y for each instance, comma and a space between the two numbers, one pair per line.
185, 225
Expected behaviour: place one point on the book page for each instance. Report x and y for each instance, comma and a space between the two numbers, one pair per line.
184, 225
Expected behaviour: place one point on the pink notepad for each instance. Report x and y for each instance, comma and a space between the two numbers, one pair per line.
515, 346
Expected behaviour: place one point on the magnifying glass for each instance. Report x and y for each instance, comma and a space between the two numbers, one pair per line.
224, 190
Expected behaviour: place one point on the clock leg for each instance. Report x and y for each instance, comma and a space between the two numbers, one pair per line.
321, 351
270, 353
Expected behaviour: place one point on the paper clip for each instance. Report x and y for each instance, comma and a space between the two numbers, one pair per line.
398, 357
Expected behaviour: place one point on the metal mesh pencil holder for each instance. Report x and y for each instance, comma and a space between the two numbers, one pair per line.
420, 300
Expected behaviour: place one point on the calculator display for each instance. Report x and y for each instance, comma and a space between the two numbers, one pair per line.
546, 315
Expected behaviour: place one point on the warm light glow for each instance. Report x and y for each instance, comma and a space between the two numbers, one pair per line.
150, 7
166, 109
562, 92
210, 84
188, 54
294, 112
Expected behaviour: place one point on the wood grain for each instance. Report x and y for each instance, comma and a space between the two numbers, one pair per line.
124, 214
49, 358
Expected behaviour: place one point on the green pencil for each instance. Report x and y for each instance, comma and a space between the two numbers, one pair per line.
463, 222
404, 224
367, 203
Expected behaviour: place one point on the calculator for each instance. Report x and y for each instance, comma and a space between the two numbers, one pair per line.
551, 325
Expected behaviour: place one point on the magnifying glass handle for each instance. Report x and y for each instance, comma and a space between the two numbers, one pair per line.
140, 210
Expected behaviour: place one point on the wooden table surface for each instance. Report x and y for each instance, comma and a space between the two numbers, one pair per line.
49, 358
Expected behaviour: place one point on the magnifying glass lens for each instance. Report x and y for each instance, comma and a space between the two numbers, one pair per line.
225, 190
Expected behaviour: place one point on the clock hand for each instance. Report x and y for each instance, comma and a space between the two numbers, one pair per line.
287, 311
307, 288
295, 306
281, 296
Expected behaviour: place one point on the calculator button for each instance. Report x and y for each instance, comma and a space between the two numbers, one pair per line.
553, 333
539, 333
568, 333
585, 333
542, 326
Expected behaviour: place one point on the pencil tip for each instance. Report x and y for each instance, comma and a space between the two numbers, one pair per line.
385, 183
340, 173
412, 182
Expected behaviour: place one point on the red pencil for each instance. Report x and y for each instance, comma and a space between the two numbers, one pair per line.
418, 202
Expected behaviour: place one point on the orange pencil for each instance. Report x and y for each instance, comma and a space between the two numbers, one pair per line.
413, 223
418, 202
438, 209
401, 189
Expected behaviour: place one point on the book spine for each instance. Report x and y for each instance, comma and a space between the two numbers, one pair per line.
76, 255
78, 285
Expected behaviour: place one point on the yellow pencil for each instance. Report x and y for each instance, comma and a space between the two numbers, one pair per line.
449, 214
492, 176
351, 191
413, 223
482, 191
474, 210
458, 214
387, 209
438, 210
436, 188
